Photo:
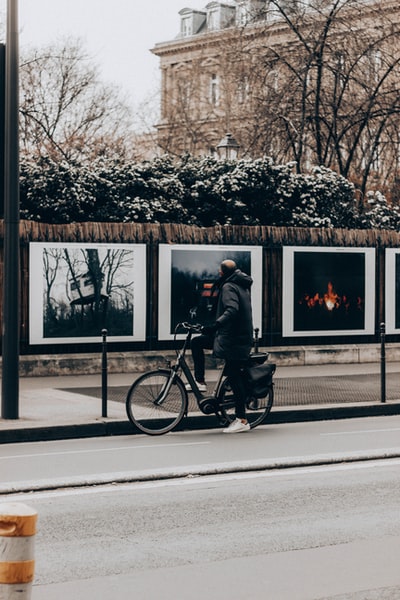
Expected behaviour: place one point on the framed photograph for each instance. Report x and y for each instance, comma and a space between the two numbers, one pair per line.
392, 290
328, 291
77, 290
186, 276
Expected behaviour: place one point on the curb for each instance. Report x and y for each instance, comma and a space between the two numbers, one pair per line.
201, 470
111, 428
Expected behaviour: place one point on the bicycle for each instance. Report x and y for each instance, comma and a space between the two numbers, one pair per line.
157, 401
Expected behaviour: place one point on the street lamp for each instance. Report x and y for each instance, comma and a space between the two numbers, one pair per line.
228, 148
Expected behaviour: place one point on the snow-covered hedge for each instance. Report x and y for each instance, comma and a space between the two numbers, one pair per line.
198, 191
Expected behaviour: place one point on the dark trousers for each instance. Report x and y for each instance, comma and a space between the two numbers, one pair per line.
234, 371
198, 344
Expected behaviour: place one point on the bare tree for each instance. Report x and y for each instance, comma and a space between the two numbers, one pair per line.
66, 112
337, 101
316, 82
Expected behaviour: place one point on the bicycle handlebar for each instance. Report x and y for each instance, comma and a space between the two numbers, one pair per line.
195, 327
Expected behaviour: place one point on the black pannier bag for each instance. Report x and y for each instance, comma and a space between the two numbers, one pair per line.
259, 379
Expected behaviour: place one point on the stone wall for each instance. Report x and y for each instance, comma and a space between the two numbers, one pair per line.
138, 362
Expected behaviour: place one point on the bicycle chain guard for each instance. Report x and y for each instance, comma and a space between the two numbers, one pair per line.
208, 405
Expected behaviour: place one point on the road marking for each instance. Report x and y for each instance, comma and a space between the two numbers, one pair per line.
362, 431
190, 480
89, 451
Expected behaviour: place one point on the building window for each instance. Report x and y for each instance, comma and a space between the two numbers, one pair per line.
340, 74
184, 92
186, 26
377, 159
372, 65
272, 81
214, 89
241, 15
243, 90
212, 20
250, 11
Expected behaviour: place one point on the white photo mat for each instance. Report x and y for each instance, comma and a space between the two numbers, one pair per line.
200, 259
343, 258
392, 290
50, 289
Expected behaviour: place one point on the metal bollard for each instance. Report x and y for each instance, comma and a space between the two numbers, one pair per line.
383, 363
17, 564
104, 374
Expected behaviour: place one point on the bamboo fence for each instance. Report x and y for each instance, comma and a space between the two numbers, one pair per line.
272, 240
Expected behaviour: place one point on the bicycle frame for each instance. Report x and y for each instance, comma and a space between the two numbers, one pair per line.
192, 382
181, 364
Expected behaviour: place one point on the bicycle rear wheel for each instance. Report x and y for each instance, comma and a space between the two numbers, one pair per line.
257, 409
142, 405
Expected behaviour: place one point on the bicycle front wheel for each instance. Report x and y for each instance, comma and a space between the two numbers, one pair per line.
257, 409
148, 410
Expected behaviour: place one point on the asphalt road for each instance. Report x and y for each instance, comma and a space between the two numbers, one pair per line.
62, 463
296, 511
309, 533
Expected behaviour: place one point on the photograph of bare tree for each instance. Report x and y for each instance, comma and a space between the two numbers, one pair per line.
77, 290
328, 291
187, 274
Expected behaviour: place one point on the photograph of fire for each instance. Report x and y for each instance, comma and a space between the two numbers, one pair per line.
327, 293
392, 290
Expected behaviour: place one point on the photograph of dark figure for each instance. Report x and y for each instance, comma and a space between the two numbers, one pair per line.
193, 274
187, 274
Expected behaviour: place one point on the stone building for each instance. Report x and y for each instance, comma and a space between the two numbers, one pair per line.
309, 81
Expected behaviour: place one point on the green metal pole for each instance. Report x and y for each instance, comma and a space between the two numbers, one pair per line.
11, 261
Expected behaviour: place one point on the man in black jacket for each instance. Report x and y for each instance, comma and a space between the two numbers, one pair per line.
234, 334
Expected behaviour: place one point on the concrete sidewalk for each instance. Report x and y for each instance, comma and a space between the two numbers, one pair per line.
71, 406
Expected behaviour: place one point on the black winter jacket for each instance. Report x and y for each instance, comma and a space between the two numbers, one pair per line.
234, 336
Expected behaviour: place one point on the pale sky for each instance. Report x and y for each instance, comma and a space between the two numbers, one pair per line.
117, 34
